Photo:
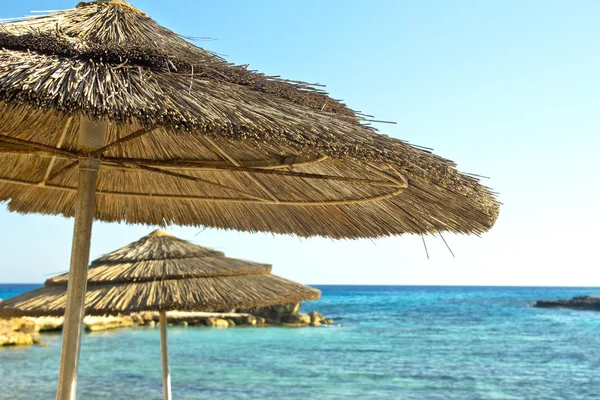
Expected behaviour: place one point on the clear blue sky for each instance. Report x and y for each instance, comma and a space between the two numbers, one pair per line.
507, 89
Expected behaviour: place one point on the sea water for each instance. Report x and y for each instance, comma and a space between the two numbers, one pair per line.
422, 343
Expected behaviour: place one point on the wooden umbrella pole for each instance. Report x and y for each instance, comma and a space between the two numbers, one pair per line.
91, 136
165, 356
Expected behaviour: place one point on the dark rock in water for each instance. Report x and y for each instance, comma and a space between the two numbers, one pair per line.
288, 315
273, 320
285, 309
246, 320
576, 303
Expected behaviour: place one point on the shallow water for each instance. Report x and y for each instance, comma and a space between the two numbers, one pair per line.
388, 343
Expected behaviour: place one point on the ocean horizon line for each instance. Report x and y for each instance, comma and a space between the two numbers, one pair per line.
341, 285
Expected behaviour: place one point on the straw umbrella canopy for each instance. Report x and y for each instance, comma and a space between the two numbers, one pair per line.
162, 273
107, 115
192, 140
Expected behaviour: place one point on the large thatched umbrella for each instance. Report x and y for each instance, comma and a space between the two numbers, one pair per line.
162, 273
107, 115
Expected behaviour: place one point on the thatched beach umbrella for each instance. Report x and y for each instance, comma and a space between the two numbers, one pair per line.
162, 273
107, 115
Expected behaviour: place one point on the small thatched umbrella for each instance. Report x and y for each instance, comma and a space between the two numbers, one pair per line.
107, 115
162, 273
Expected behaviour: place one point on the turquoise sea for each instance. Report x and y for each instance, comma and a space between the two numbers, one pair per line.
422, 343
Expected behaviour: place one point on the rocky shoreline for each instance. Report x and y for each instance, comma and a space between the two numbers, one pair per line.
576, 303
26, 331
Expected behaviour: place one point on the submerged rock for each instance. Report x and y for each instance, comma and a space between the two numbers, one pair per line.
576, 303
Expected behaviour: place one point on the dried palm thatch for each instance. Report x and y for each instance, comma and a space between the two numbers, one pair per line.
194, 140
163, 273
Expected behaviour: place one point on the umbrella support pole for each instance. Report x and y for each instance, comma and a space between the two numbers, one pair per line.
91, 136
164, 350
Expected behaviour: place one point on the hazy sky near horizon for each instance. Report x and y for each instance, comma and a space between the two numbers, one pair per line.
507, 89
